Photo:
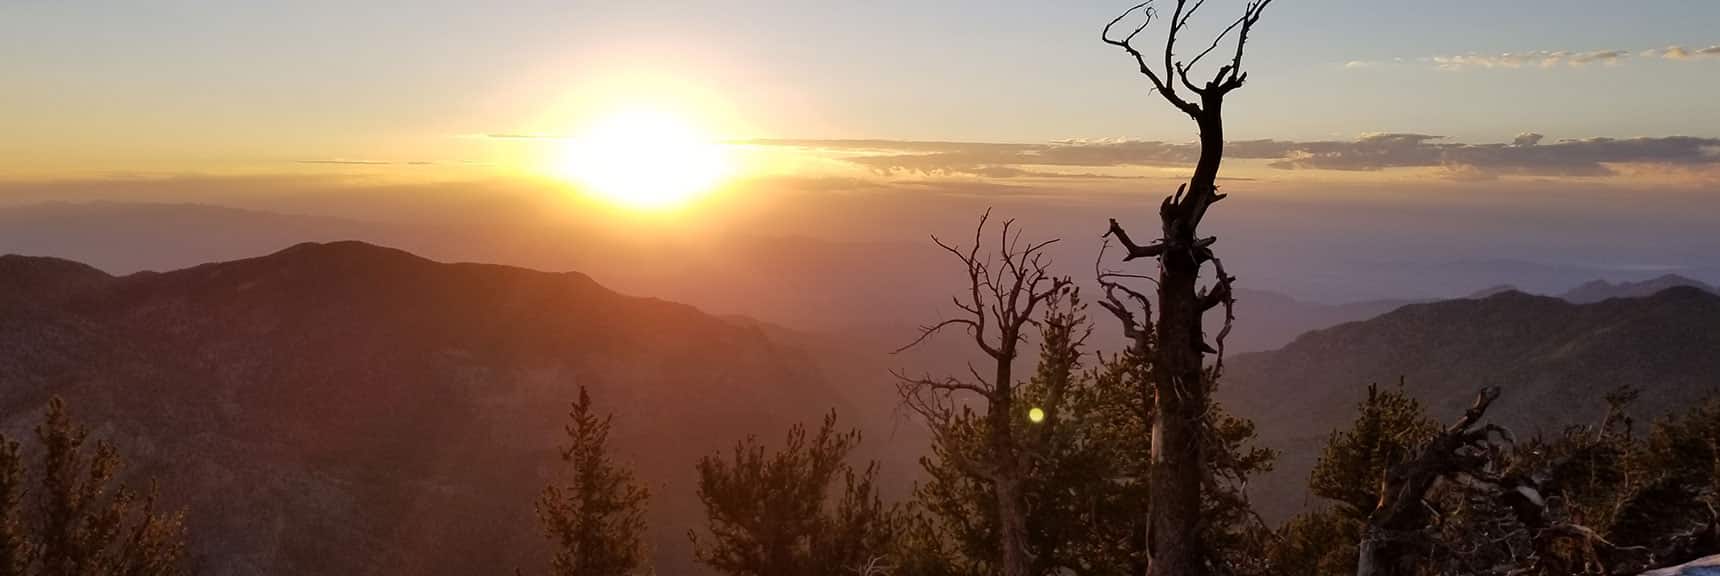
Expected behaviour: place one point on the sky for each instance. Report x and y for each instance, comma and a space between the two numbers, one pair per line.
1567, 132
165, 86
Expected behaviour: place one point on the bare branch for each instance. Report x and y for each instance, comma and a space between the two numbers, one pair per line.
1127, 44
1250, 16
1459, 451
979, 276
1134, 250
1136, 331
945, 385
1184, 68
932, 330
1221, 294
1477, 409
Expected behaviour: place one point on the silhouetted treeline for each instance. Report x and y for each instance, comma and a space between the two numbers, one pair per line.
1611, 497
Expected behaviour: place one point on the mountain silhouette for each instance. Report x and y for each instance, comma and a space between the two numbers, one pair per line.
1554, 360
1598, 290
345, 408
1268, 320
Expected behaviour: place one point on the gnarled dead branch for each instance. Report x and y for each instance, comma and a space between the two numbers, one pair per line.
1180, 393
1005, 290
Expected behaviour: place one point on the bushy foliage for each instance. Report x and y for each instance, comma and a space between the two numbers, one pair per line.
1317, 543
1088, 470
79, 519
1595, 499
1390, 426
799, 511
1085, 471
596, 520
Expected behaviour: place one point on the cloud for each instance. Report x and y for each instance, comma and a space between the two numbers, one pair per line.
1599, 56
1526, 154
1533, 58
512, 136
1681, 53
1546, 58
1368, 153
997, 160
346, 162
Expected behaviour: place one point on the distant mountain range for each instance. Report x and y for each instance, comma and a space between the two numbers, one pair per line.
352, 409
344, 408
280, 377
1554, 359
1598, 290
1267, 320
818, 284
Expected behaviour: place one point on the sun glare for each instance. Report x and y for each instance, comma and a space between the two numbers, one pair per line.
644, 158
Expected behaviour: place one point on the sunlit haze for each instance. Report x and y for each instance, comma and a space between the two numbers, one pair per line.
642, 158
864, 288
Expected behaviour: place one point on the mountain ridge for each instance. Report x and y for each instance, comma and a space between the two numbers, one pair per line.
1553, 359
1600, 289
349, 408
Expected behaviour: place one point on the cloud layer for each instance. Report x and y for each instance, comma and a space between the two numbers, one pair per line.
1682, 53
1543, 58
1536, 58
1525, 155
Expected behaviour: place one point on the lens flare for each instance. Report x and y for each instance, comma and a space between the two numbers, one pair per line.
644, 158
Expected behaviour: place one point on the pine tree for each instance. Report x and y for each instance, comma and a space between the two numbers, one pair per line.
1389, 427
1453, 500
977, 419
774, 514
1087, 471
14, 541
596, 520
80, 520
959, 495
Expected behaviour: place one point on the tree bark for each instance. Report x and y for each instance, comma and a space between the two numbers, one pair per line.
1180, 393
1180, 388
1393, 533
1008, 482
1004, 292
1012, 526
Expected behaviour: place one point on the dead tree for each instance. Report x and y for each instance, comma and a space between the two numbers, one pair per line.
1004, 290
1397, 528
1181, 391
1471, 460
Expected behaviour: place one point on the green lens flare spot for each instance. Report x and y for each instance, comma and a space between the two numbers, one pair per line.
1036, 415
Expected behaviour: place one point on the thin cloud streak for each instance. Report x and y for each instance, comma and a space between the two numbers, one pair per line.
1526, 155
511, 136
1534, 58
1681, 53
1542, 59
338, 161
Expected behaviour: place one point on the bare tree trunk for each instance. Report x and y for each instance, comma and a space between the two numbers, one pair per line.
1012, 526
1393, 534
1008, 481
1180, 388
1180, 399
1002, 297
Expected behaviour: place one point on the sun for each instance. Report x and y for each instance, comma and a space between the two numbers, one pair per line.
643, 158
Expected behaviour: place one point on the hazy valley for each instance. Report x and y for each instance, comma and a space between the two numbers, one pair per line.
351, 408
